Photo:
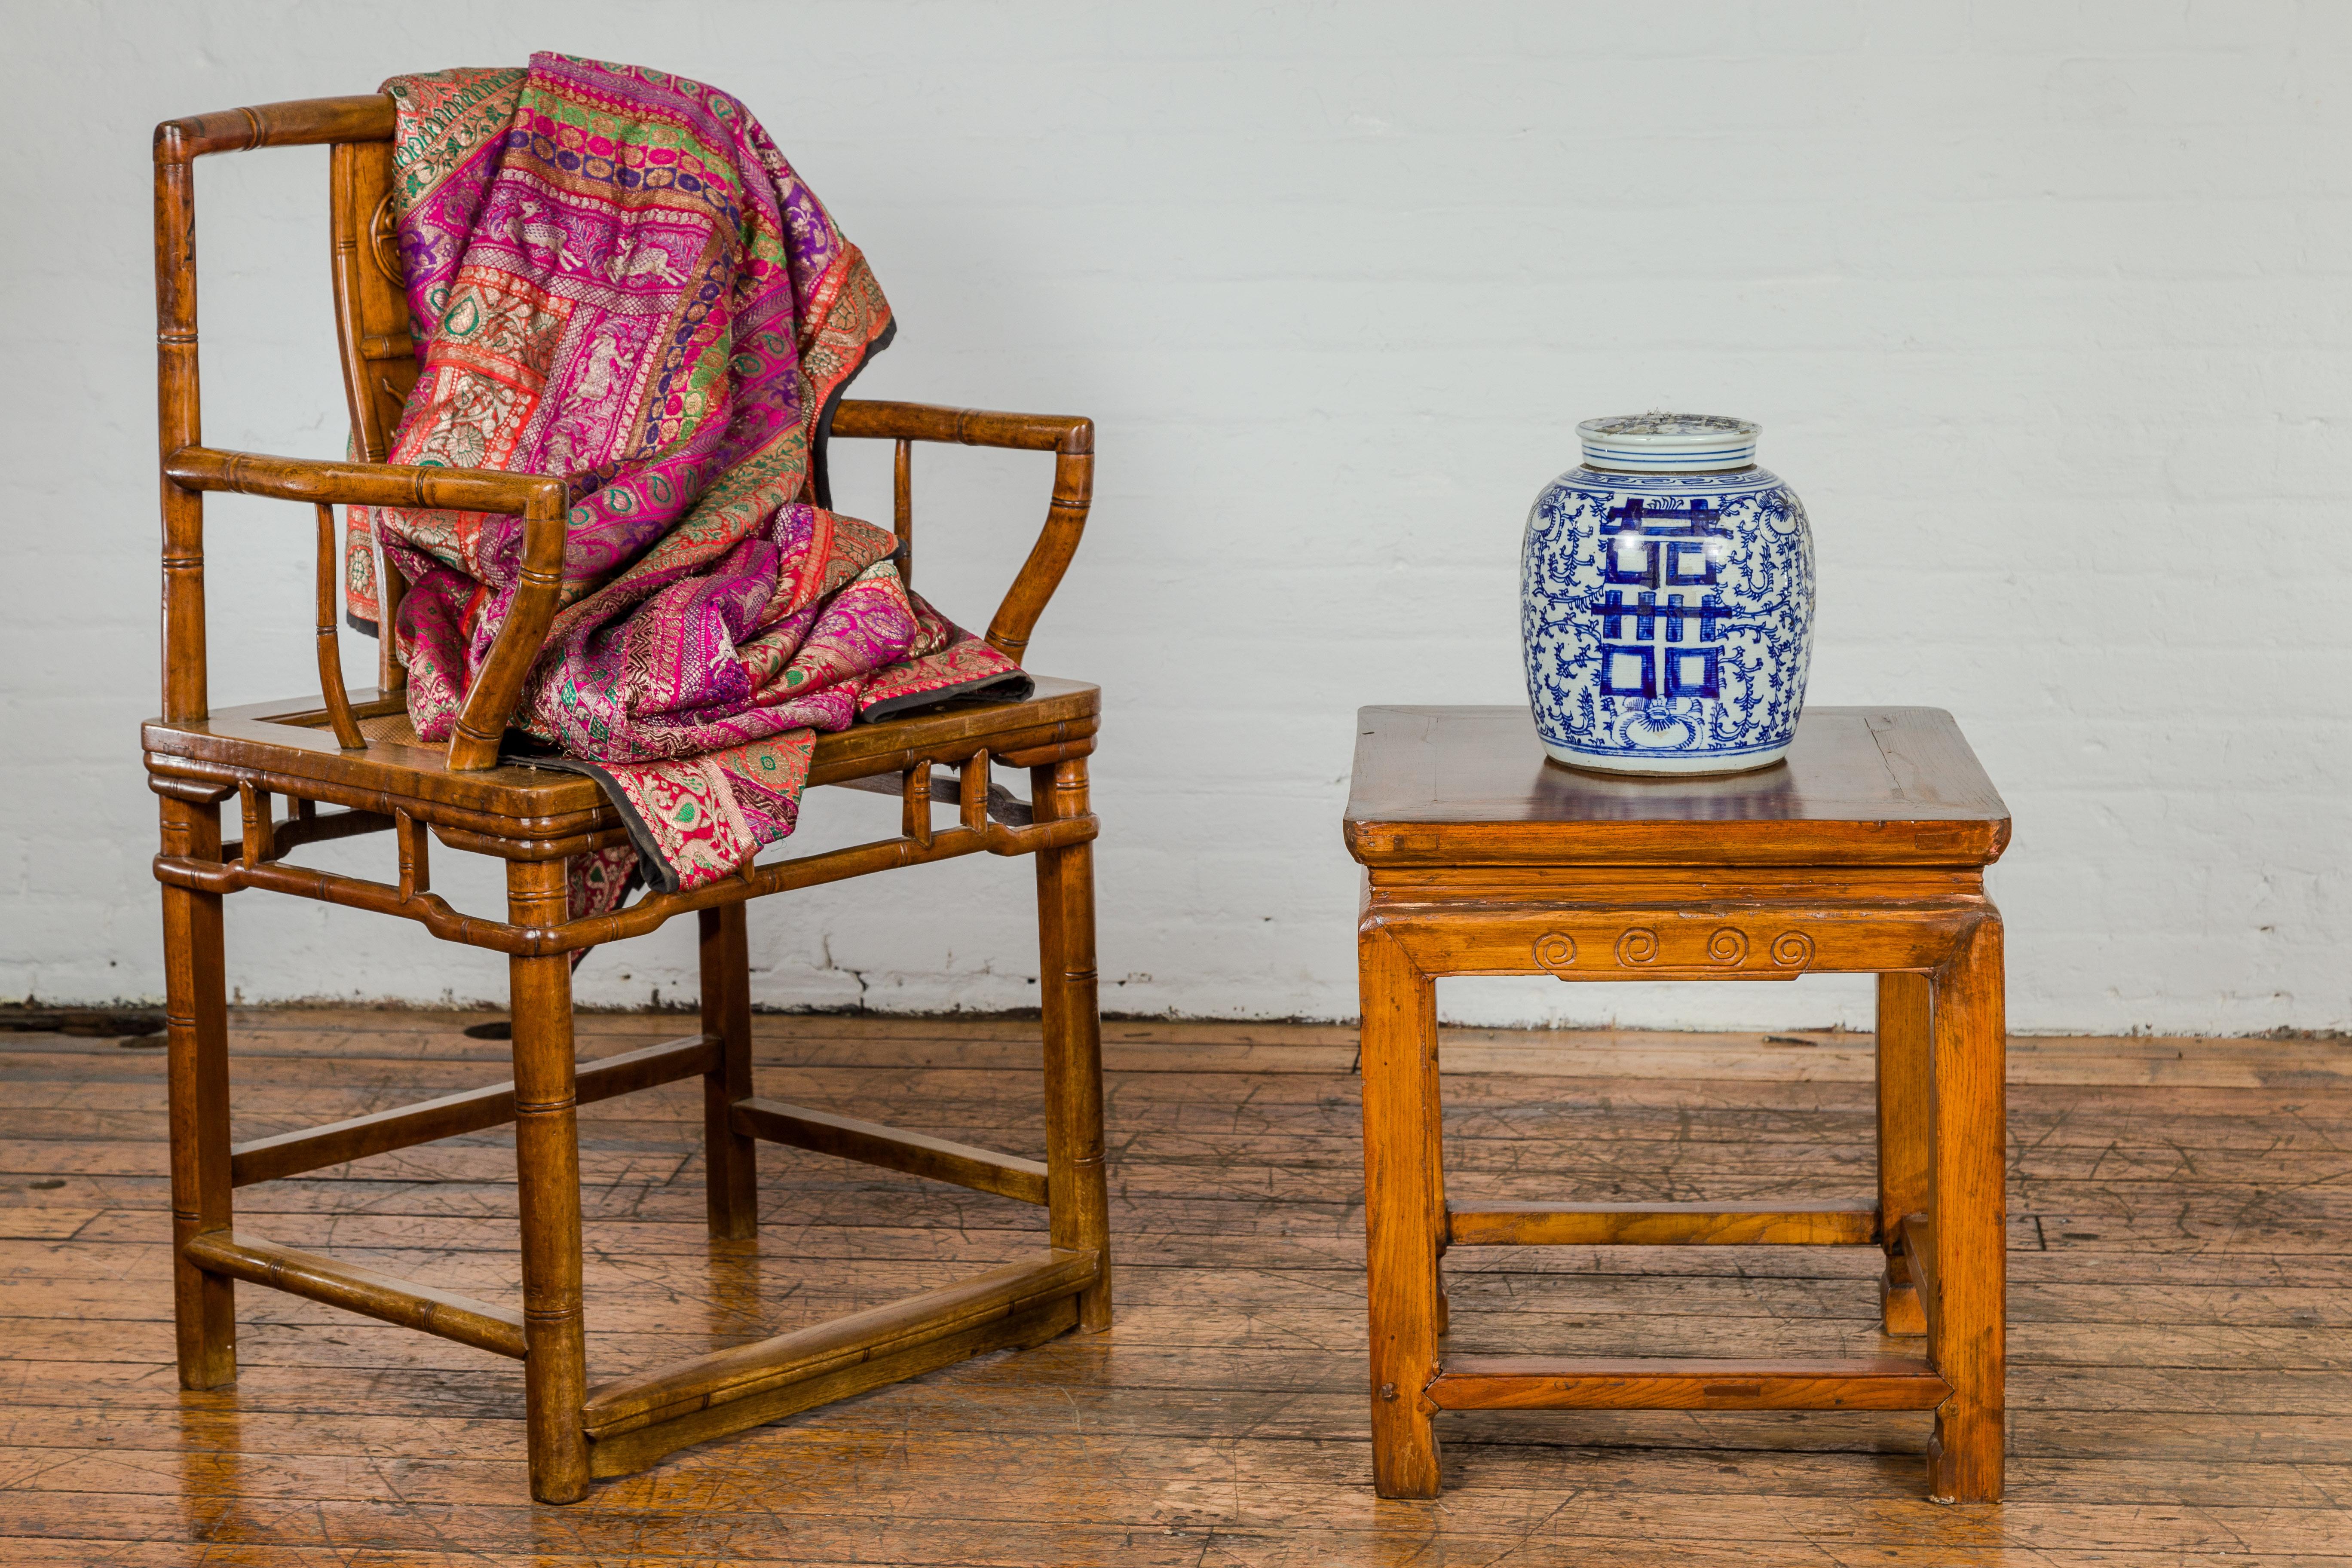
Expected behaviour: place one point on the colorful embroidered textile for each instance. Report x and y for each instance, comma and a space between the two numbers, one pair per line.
615, 277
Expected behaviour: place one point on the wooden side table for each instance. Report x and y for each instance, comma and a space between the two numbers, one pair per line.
1863, 852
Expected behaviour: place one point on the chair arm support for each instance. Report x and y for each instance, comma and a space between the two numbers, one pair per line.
540, 501
1071, 440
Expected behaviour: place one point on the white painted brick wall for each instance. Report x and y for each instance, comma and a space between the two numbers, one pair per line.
2046, 308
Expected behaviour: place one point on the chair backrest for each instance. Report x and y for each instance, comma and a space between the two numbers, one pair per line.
372, 329
371, 324
379, 361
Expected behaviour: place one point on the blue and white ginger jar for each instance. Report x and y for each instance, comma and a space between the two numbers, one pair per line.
1666, 601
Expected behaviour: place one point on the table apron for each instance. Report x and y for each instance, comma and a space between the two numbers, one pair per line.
1746, 941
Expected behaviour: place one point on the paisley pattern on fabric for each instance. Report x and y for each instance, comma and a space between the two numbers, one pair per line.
615, 277
598, 883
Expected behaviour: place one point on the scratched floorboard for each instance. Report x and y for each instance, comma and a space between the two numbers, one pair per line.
2181, 1313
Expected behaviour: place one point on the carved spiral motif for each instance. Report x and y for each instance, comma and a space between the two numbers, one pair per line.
1792, 950
1556, 951
1639, 945
383, 239
1727, 946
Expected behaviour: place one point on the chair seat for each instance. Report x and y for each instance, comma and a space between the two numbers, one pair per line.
287, 745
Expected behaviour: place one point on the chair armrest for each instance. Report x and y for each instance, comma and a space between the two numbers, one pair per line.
968, 426
363, 484
540, 501
1071, 440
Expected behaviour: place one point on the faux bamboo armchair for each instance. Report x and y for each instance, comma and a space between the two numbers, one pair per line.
356, 753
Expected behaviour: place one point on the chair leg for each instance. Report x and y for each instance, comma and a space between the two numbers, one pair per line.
1398, 1047
196, 1016
547, 1174
731, 1159
1076, 1189
1970, 1162
1905, 1103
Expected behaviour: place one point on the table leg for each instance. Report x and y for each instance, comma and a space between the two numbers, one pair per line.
1970, 1233
1402, 1213
1905, 1101
1433, 1129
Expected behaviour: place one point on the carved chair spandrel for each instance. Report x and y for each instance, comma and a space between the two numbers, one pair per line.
348, 762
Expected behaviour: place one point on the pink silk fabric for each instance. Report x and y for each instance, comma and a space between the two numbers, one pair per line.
615, 277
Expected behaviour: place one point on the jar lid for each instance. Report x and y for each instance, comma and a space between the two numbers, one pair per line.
1658, 442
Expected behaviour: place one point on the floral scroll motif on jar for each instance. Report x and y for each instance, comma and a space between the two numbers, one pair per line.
1666, 601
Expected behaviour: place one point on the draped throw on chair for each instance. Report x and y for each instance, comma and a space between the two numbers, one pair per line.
613, 277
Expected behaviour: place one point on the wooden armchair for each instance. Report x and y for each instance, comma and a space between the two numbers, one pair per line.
356, 753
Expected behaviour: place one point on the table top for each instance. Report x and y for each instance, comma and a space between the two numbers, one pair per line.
1455, 785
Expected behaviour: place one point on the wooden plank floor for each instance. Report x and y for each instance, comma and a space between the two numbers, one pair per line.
2180, 1320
